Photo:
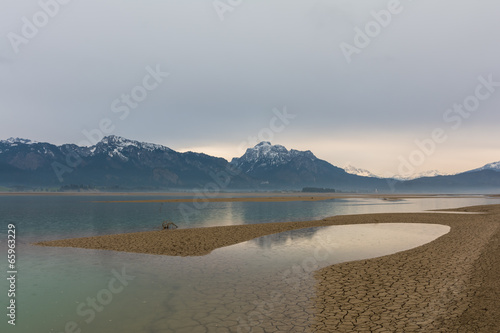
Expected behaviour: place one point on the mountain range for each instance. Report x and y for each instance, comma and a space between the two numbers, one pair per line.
116, 162
363, 172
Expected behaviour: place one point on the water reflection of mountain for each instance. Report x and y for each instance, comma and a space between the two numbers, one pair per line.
267, 242
262, 212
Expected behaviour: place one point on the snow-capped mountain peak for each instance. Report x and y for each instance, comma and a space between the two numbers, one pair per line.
359, 172
17, 140
428, 173
495, 166
265, 150
118, 141
265, 154
114, 145
365, 173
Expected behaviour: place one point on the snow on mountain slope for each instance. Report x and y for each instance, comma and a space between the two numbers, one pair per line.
265, 154
116, 144
359, 172
365, 173
495, 166
14, 141
428, 173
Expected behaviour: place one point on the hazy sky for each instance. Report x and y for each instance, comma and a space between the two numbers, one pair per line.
361, 81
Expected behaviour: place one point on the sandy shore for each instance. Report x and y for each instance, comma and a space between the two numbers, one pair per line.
448, 285
182, 242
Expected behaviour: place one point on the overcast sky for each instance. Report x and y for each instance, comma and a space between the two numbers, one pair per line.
234, 67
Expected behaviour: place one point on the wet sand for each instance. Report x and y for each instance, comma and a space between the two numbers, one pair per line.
182, 242
448, 285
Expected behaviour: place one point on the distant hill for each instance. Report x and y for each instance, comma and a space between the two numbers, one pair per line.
116, 162
467, 182
363, 172
495, 166
277, 167
360, 172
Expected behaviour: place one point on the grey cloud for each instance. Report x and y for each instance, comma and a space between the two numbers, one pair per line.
226, 76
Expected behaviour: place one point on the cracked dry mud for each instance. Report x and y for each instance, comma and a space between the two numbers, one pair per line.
448, 285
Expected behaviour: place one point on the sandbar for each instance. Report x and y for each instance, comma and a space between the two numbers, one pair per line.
448, 285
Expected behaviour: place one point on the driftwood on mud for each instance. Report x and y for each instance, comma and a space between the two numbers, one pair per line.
166, 225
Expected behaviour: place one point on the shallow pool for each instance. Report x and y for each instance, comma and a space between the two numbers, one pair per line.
238, 288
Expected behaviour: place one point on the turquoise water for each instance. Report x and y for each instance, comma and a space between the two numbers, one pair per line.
46, 217
234, 289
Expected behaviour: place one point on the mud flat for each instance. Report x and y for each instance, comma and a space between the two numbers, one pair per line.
448, 285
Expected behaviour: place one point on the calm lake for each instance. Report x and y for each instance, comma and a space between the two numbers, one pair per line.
265, 282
